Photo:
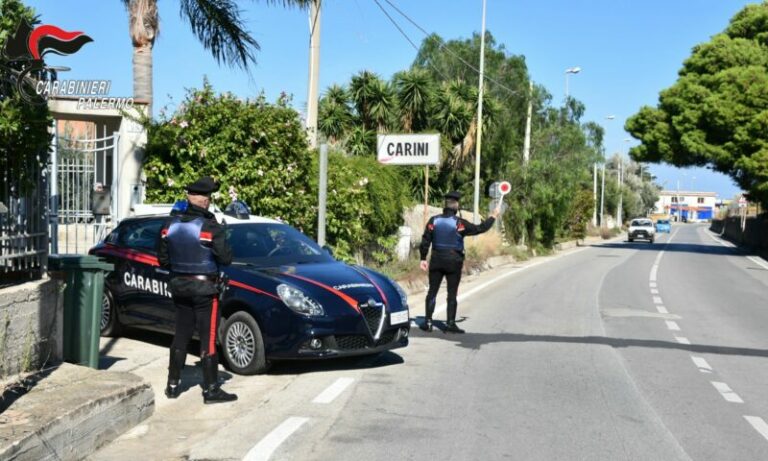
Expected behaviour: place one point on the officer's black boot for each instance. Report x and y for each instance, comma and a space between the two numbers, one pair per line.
212, 392
175, 365
450, 326
430, 308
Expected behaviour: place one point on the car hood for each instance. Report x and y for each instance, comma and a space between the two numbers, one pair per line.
331, 282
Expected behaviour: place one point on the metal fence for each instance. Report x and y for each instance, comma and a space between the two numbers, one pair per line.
23, 213
84, 172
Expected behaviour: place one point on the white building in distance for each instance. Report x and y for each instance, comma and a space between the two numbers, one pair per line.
686, 205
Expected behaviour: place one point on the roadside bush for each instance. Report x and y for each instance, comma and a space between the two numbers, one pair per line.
260, 150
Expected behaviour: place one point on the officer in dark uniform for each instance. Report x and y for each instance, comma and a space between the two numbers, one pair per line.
445, 233
193, 246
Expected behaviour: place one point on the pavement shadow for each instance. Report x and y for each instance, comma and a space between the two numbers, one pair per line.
14, 391
698, 248
477, 340
294, 367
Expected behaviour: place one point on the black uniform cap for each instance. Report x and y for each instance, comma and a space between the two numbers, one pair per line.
453, 195
203, 186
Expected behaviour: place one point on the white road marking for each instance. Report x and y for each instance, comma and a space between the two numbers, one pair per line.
721, 241
658, 257
673, 325
442, 307
759, 424
758, 261
682, 340
333, 391
662, 309
263, 450
657, 300
654, 270
654, 291
702, 364
652, 284
727, 392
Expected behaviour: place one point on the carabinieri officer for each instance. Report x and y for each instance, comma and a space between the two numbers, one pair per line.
193, 246
445, 233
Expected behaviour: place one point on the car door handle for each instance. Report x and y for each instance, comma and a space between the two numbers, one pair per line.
161, 271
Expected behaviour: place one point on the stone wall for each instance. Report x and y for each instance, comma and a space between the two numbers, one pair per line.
754, 235
30, 327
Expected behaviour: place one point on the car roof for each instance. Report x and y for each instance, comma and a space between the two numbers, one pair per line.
152, 211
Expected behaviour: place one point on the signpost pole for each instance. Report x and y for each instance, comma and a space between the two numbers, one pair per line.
426, 194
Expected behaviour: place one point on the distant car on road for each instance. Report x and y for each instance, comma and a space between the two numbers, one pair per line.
641, 228
288, 298
663, 225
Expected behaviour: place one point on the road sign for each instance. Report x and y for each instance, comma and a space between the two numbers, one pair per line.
408, 149
504, 188
742, 202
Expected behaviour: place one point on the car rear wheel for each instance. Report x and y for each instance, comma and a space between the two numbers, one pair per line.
243, 345
110, 323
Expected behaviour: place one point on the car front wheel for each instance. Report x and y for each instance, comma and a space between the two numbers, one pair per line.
243, 345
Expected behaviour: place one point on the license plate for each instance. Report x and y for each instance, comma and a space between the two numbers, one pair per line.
396, 318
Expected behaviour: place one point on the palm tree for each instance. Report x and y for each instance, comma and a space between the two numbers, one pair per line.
217, 24
335, 114
415, 94
361, 141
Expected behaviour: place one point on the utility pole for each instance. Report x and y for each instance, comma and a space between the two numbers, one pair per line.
621, 197
322, 194
527, 142
478, 149
314, 71
602, 201
594, 194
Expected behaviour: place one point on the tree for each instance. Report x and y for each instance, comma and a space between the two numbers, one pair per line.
716, 113
24, 137
217, 24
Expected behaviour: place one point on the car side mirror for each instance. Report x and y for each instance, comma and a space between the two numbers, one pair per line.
328, 249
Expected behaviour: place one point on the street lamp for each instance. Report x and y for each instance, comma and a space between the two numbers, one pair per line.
568, 71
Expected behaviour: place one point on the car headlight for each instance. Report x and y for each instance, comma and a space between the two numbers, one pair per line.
401, 292
298, 301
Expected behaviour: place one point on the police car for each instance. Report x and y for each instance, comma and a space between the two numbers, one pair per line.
287, 298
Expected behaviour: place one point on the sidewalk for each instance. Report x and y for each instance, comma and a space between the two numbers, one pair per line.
69, 411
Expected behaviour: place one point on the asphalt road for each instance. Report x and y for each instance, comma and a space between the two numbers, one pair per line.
622, 351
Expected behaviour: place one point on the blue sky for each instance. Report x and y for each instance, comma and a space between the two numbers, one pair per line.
629, 50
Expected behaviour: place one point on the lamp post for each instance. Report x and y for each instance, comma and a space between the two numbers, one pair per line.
479, 143
568, 71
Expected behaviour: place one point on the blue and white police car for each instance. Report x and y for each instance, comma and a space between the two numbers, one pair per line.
287, 298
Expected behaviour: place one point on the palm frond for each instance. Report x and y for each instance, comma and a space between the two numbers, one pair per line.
219, 26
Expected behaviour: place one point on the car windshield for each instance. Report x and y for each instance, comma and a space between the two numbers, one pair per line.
662, 221
641, 222
267, 244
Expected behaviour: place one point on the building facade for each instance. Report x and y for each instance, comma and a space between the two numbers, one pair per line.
686, 205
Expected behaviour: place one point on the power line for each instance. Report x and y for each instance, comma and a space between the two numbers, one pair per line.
445, 48
402, 32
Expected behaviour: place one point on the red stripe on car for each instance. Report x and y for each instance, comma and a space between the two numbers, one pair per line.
350, 300
237, 284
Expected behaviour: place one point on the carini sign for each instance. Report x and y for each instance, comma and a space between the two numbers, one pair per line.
408, 149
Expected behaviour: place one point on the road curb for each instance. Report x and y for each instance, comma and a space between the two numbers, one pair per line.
71, 411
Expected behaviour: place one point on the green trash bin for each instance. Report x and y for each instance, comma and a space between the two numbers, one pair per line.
84, 278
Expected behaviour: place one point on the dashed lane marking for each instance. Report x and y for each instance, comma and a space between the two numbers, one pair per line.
701, 364
263, 450
673, 325
759, 424
333, 391
662, 309
727, 392
657, 300
682, 340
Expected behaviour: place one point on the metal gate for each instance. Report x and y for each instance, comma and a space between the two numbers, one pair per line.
83, 205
